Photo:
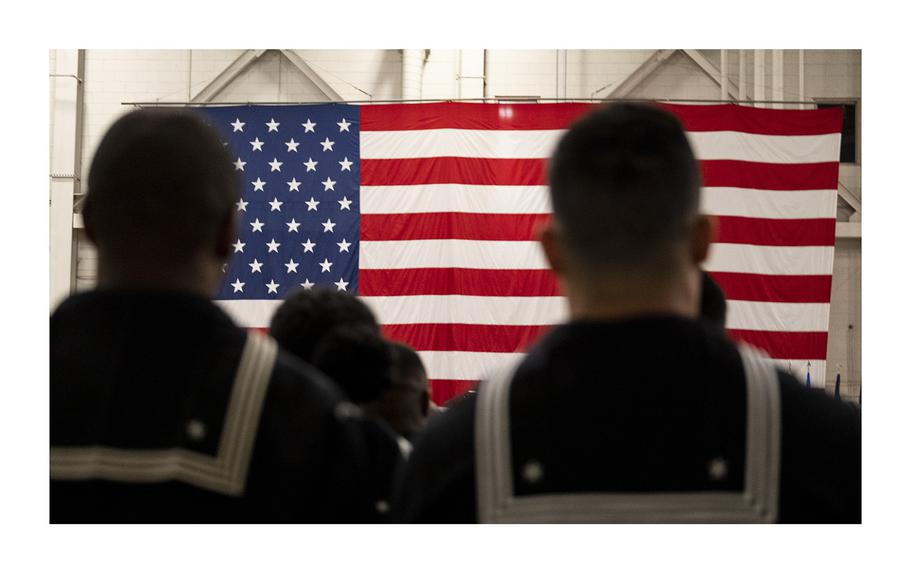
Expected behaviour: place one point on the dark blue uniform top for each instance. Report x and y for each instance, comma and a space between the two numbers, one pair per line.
144, 377
651, 404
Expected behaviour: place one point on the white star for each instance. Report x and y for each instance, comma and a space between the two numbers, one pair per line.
327, 145
309, 126
292, 266
293, 185
238, 285
342, 285
311, 205
344, 246
257, 226
255, 266
292, 226
276, 165
273, 246
345, 204
241, 205
329, 184
238, 165
276, 205
306, 284
308, 246
257, 144
224, 268
346, 164
326, 265
238, 246
310, 165
329, 226
238, 126
273, 126
292, 146
258, 184
343, 126
273, 288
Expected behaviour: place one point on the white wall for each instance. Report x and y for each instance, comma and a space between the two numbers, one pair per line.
113, 77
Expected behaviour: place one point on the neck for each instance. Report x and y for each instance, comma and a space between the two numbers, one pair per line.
630, 295
199, 278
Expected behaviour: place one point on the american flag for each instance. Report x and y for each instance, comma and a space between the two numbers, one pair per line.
428, 211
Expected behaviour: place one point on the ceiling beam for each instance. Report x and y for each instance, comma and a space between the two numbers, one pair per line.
230, 73
311, 74
848, 196
714, 73
641, 73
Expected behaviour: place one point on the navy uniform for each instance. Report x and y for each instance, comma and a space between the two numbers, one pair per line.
651, 419
163, 410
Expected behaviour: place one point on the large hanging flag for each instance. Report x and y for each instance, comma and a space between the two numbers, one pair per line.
427, 211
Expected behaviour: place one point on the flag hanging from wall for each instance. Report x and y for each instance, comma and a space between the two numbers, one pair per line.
428, 211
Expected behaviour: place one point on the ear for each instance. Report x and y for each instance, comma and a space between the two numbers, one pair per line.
88, 222
549, 237
227, 229
703, 234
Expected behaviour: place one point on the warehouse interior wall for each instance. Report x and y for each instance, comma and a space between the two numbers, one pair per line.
114, 77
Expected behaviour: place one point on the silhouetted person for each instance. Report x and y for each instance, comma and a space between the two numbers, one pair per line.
405, 403
713, 303
162, 409
634, 410
339, 335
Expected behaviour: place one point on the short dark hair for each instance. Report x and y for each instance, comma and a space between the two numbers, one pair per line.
713, 304
160, 185
408, 369
357, 359
625, 185
306, 316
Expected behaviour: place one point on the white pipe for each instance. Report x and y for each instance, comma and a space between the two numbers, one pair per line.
411, 73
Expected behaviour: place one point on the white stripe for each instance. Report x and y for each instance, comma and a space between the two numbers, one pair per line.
769, 204
717, 145
458, 143
438, 198
726, 145
535, 199
753, 259
465, 365
777, 316
480, 310
456, 253
250, 313
460, 365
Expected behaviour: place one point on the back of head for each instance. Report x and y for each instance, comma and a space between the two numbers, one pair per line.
357, 359
307, 316
160, 186
405, 404
625, 189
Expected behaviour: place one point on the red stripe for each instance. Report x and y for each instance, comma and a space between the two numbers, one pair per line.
474, 226
758, 175
809, 345
523, 227
778, 122
444, 390
466, 337
557, 116
471, 116
499, 171
775, 232
460, 281
477, 171
774, 288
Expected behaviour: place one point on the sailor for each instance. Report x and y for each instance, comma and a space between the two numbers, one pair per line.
635, 410
162, 409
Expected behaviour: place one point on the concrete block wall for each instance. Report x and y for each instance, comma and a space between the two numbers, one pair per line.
117, 76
